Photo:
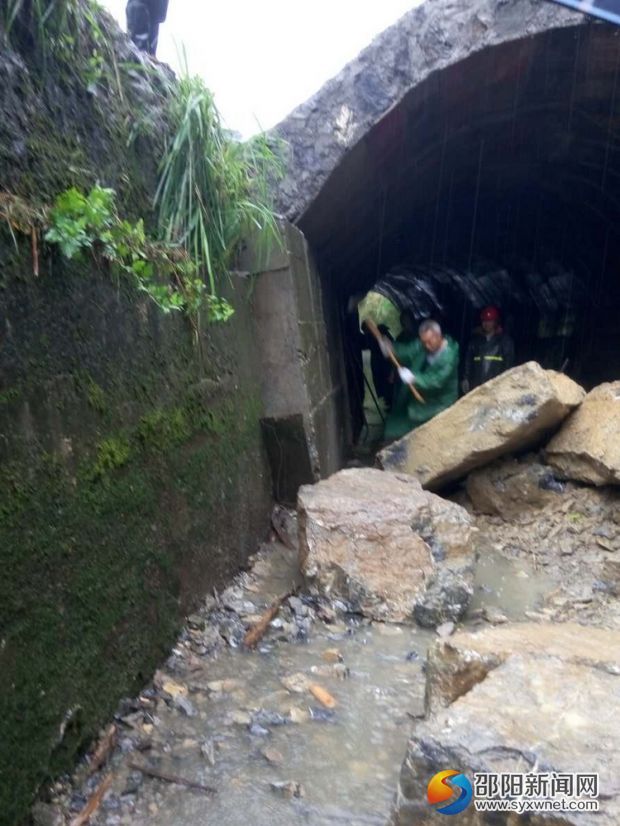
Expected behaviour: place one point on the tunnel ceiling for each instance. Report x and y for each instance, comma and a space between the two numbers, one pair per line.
512, 150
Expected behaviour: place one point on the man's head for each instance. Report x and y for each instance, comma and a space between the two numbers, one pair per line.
490, 319
430, 335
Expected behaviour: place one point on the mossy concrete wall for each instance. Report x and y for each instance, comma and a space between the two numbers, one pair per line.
132, 472
132, 480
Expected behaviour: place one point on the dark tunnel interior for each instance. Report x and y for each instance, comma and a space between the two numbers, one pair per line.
496, 180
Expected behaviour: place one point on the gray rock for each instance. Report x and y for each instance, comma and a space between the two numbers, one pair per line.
46, 814
183, 704
587, 448
509, 722
511, 488
288, 789
447, 597
133, 783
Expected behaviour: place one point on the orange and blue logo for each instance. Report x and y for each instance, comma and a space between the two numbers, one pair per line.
442, 789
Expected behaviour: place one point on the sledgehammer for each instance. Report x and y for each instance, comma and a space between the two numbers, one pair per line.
375, 332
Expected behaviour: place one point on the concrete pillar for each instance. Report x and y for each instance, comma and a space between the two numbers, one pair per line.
301, 425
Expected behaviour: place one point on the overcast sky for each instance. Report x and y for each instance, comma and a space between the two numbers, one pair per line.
263, 58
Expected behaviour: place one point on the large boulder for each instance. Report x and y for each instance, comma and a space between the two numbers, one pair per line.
509, 413
525, 699
380, 542
456, 664
587, 448
512, 489
544, 717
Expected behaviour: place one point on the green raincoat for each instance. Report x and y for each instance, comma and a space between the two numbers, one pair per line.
436, 381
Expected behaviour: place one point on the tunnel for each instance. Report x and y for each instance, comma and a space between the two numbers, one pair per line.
494, 180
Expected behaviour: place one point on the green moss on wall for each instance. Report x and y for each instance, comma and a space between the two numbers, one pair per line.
95, 568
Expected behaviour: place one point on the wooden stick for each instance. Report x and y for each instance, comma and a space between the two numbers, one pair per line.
93, 804
35, 251
171, 778
375, 332
322, 695
256, 632
102, 752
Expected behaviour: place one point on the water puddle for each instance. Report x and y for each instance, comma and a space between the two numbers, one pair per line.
345, 758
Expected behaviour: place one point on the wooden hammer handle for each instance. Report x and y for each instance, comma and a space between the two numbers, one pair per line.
375, 332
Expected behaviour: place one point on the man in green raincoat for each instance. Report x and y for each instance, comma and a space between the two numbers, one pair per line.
431, 363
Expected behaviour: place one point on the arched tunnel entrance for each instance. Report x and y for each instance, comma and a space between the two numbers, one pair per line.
495, 180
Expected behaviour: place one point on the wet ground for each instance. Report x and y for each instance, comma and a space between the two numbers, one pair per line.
312, 726
248, 725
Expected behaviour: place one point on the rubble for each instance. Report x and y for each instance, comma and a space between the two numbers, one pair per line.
587, 448
387, 547
509, 413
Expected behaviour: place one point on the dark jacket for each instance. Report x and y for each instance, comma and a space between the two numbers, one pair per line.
488, 357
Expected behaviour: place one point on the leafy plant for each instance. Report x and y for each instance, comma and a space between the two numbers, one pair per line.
81, 224
213, 190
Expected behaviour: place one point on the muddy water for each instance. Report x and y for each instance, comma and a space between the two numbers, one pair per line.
514, 586
346, 759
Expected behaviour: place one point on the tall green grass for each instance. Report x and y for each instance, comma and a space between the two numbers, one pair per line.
213, 190
40, 19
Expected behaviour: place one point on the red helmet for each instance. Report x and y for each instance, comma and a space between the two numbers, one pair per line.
490, 314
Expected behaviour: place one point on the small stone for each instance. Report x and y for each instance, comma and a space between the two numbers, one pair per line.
133, 783
322, 715
240, 718
207, 750
288, 789
258, 731
173, 689
184, 705
297, 683
223, 686
196, 621
299, 715
46, 814
338, 671
387, 630
268, 718
446, 629
332, 655
297, 606
272, 756
153, 808
494, 616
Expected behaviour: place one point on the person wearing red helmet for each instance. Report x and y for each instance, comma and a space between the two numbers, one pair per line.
490, 351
